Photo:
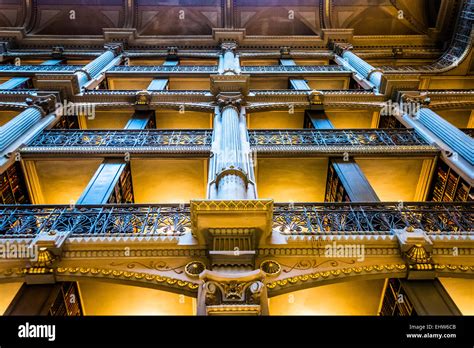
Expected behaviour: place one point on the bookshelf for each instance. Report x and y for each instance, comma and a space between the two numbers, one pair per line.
395, 301
67, 122
123, 190
151, 124
390, 122
67, 302
448, 186
12, 186
335, 191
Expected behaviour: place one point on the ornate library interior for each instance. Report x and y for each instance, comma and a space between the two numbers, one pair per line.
236, 157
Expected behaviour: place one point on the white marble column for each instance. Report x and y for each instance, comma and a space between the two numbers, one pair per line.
460, 142
19, 126
229, 63
16, 127
231, 174
367, 71
92, 69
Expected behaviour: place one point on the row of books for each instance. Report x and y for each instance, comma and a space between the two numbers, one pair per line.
12, 186
123, 190
67, 122
335, 191
390, 122
395, 301
67, 302
448, 186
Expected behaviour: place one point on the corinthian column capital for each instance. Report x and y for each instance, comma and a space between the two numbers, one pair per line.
233, 100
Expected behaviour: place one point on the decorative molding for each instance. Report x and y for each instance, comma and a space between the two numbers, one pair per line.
126, 275
337, 273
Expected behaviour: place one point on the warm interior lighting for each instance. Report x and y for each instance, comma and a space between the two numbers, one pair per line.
349, 298
462, 293
7, 293
113, 299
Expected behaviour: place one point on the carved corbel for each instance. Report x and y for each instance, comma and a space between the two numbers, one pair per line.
340, 47
46, 104
41, 269
115, 47
415, 100
57, 52
230, 99
316, 97
142, 100
285, 52
228, 46
416, 248
172, 53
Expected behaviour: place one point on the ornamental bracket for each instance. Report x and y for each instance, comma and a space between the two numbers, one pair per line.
416, 248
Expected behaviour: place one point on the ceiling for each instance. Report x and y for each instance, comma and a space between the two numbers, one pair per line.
263, 17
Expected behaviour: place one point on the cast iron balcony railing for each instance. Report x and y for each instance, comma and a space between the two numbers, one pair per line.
202, 69
322, 219
353, 140
331, 137
213, 69
265, 141
263, 69
108, 220
27, 70
444, 220
120, 140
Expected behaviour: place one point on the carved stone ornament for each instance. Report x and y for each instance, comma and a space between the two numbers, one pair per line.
285, 52
271, 267
57, 52
316, 97
115, 47
142, 99
416, 98
229, 46
221, 289
340, 47
46, 104
229, 99
194, 268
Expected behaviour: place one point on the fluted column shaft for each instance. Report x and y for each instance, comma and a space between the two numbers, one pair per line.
459, 141
364, 68
231, 146
16, 127
230, 170
93, 68
229, 63
231, 183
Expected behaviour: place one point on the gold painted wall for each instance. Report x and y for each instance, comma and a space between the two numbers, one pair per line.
295, 179
169, 181
462, 293
168, 119
100, 298
7, 293
392, 179
276, 120
349, 298
63, 181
